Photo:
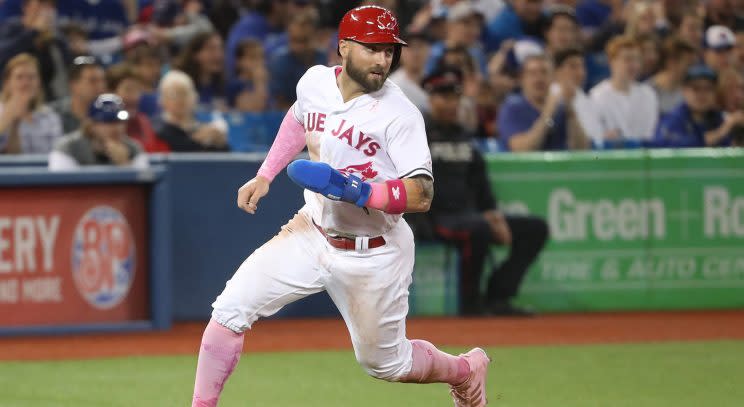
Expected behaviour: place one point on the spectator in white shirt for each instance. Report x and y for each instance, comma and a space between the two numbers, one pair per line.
411, 72
628, 110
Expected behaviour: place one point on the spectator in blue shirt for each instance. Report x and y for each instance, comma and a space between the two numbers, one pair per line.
463, 30
519, 18
292, 61
538, 119
266, 24
697, 122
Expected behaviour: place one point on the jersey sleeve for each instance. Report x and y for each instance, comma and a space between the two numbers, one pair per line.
408, 147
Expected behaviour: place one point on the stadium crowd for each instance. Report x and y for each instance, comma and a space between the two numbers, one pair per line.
107, 81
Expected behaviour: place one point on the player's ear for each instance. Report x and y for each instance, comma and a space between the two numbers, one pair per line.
344, 47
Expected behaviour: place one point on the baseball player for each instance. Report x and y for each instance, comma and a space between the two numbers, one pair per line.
370, 163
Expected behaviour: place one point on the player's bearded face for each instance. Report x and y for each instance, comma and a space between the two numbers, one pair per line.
370, 78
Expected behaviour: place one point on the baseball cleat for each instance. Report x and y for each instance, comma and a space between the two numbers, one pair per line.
472, 392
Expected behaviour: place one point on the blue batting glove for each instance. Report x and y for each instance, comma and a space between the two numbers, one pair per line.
322, 178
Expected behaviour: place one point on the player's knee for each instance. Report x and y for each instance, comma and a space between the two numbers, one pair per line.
379, 368
230, 319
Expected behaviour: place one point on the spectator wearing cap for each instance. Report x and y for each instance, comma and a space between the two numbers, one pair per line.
719, 48
537, 119
26, 125
290, 62
677, 56
87, 81
102, 140
266, 23
628, 109
464, 211
124, 81
203, 60
178, 126
697, 122
408, 77
248, 91
519, 18
463, 30
34, 33
561, 30
570, 75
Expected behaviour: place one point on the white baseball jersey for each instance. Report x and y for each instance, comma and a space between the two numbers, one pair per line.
377, 136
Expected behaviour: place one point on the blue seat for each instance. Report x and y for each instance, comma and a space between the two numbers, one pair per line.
252, 132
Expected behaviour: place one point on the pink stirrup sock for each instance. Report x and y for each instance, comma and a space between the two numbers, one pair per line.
430, 365
218, 356
290, 140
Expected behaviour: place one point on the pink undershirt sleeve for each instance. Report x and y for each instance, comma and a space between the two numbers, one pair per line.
290, 140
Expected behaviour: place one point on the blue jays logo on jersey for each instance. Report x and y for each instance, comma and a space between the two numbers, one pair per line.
103, 257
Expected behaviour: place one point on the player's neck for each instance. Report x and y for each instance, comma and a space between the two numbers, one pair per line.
348, 87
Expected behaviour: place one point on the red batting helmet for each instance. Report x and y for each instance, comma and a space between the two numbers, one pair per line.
370, 25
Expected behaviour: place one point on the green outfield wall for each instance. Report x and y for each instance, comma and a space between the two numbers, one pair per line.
630, 230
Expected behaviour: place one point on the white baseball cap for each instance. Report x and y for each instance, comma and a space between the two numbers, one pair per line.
719, 37
461, 10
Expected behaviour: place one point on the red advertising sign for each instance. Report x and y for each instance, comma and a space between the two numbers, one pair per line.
72, 255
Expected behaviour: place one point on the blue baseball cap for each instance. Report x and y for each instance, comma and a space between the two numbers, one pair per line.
700, 72
107, 108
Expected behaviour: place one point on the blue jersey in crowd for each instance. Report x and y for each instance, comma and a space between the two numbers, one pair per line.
679, 129
517, 115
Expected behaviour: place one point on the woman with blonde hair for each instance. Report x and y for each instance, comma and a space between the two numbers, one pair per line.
26, 125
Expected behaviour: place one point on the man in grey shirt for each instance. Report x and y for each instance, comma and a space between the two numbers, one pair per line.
677, 56
102, 140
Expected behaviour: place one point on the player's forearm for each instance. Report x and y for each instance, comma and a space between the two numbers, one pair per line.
290, 140
419, 192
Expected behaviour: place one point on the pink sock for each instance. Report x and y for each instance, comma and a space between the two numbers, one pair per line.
219, 353
430, 365
379, 198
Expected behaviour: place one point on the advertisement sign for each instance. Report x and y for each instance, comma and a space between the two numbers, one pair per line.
631, 230
72, 255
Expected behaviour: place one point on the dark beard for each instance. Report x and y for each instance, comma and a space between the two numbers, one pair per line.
360, 76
